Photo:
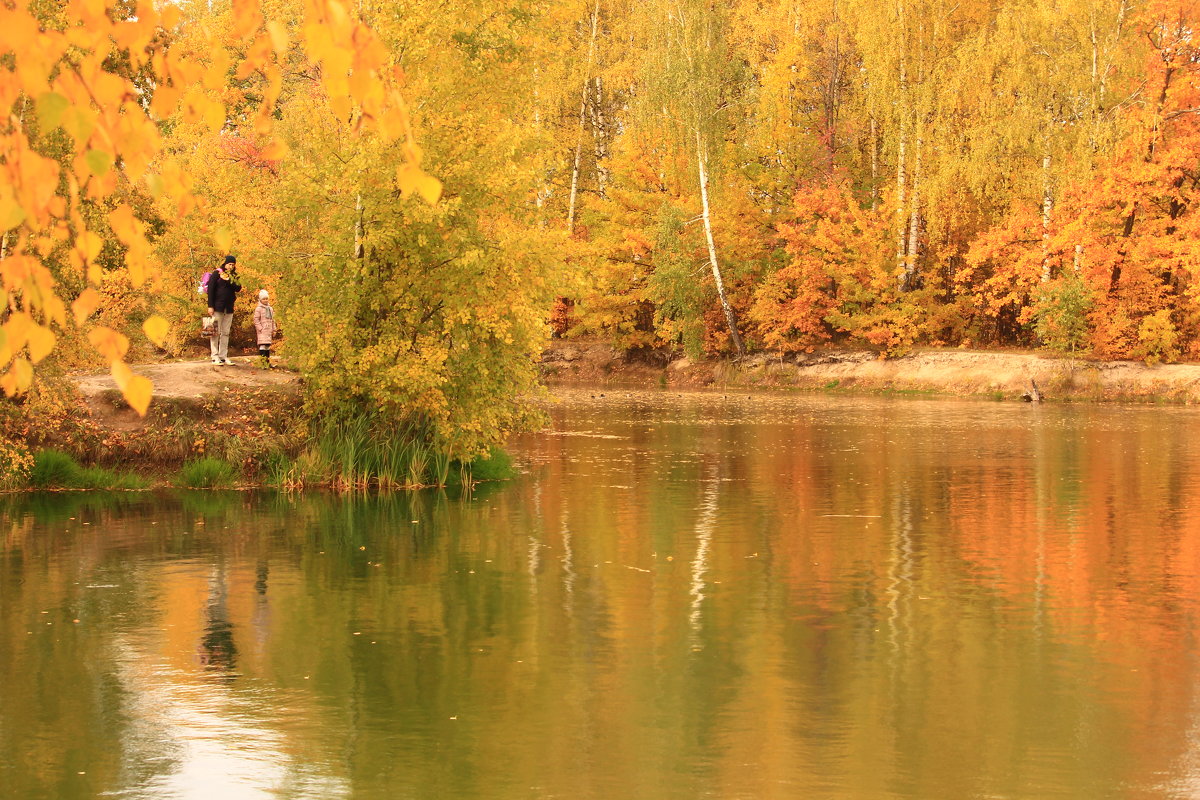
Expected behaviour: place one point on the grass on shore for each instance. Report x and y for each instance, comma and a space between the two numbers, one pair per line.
54, 469
363, 453
207, 473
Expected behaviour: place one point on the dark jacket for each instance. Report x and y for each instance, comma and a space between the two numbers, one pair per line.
222, 291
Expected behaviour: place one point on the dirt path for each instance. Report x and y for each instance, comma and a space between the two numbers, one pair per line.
955, 372
195, 379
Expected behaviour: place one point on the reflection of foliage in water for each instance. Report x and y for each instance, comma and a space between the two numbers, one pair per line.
50, 506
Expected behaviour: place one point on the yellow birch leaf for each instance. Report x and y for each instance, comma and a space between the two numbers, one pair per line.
214, 116
124, 225
79, 122
317, 41
217, 74
154, 184
246, 17
429, 187
166, 101
89, 245
223, 238
111, 344
17, 328
136, 262
412, 178
339, 18
50, 107
121, 374
22, 372
41, 342
11, 214
275, 150
54, 309
85, 304
339, 104
137, 389
156, 329
279, 36
98, 162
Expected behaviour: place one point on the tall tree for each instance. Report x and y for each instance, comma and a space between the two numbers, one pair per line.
690, 87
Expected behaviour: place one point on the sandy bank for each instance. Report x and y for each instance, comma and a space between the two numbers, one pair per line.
955, 372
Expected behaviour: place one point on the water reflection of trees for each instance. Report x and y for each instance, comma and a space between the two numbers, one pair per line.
893, 605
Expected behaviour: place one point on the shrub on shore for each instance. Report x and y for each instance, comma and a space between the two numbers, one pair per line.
15, 464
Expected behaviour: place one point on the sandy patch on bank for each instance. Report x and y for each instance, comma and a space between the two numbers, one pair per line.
195, 379
957, 372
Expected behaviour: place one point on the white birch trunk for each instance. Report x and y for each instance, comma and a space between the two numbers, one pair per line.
1047, 207
874, 164
359, 248
587, 83
712, 249
901, 222
914, 222
600, 137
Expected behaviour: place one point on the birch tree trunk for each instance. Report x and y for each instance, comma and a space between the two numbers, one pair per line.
359, 248
901, 260
914, 221
543, 190
901, 222
730, 318
600, 137
1047, 207
874, 164
583, 102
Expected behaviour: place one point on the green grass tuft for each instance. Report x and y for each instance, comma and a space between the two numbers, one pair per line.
496, 466
206, 473
53, 469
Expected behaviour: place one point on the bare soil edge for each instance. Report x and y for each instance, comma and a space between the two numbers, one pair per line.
964, 373
968, 373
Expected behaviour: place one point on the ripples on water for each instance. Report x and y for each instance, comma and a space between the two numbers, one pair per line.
683, 596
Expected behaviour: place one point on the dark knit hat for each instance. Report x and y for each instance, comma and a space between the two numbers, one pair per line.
229, 260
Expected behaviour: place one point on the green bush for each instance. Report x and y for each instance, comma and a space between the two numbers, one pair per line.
1061, 314
206, 473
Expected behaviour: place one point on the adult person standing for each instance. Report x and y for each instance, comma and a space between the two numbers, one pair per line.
223, 287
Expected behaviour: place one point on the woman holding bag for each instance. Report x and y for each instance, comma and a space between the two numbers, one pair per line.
223, 287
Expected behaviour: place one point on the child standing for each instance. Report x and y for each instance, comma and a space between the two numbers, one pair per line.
264, 326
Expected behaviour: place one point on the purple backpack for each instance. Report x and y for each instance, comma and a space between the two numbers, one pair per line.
203, 287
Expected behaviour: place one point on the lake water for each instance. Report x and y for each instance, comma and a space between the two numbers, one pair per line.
683, 596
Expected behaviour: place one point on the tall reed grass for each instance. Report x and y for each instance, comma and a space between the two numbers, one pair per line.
363, 452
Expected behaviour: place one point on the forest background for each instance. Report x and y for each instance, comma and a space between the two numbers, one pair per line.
427, 189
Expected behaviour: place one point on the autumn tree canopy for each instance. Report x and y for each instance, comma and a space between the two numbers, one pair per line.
417, 183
